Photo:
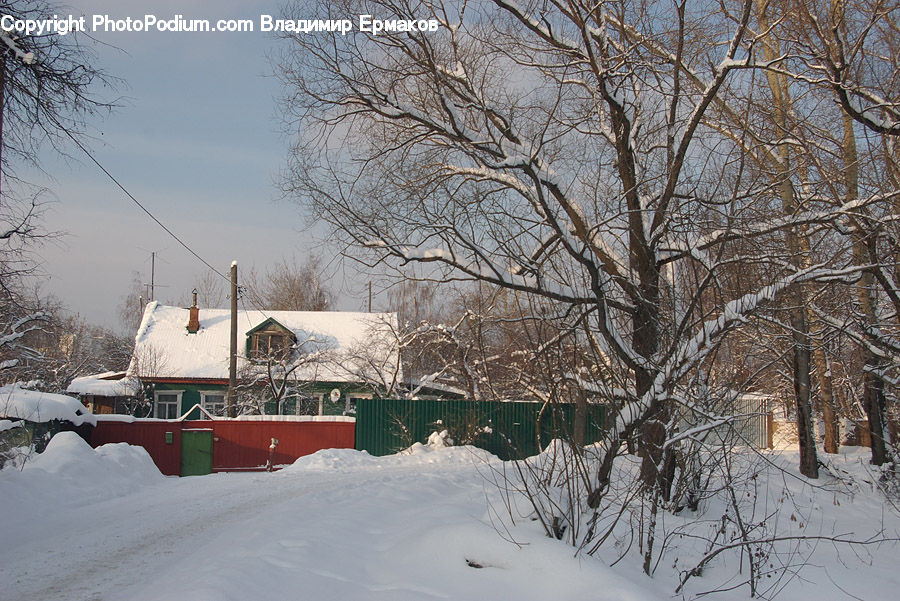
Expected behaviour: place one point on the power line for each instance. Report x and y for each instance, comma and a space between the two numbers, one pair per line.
153, 217
119, 184
100, 166
135, 200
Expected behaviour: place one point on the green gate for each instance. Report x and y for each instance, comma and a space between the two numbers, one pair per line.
510, 430
196, 452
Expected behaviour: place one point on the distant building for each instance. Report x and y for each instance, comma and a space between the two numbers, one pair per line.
107, 392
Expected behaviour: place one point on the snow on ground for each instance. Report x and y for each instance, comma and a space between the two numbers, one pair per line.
340, 524
845, 503
69, 474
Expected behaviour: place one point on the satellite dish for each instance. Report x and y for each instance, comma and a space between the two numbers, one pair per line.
335, 395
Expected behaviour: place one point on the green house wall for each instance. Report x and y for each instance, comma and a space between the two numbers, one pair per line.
190, 396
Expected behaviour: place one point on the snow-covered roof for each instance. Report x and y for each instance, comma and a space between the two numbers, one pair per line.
430, 384
34, 406
7, 424
108, 383
351, 346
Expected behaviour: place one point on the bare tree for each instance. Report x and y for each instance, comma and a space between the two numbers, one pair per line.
131, 305
575, 185
21, 324
609, 166
211, 290
291, 286
845, 53
851, 48
48, 87
146, 363
280, 376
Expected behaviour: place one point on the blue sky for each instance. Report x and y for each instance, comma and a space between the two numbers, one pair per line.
199, 142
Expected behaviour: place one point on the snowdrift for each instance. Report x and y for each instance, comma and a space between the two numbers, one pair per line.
70, 473
435, 452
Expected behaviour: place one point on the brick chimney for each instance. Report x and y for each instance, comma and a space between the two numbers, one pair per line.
194, 316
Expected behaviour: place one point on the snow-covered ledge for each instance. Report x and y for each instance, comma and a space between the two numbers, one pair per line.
35, 406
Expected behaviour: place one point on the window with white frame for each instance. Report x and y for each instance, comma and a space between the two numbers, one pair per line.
214, 402
310, 404
167, 403
351, 399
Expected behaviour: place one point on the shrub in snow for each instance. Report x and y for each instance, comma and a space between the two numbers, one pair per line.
737, 518
15, 444
440, 439
436, 440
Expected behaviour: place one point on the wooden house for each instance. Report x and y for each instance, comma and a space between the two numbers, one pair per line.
107, 392
333, 358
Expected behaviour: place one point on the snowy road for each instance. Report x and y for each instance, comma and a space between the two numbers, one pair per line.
342, 526
81, 524
91, 552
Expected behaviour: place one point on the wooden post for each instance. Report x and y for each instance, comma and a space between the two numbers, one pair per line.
232, 357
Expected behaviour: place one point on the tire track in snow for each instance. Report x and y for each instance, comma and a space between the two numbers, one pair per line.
113, 547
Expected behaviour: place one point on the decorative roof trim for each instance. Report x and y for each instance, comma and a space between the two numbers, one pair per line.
272, 321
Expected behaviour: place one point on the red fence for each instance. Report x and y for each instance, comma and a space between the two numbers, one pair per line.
237, 444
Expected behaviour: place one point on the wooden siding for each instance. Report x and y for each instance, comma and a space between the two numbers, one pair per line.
148, 434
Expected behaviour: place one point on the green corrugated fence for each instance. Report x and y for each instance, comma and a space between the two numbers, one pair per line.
508, 429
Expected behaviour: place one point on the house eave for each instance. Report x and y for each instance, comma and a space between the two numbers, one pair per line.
210, 381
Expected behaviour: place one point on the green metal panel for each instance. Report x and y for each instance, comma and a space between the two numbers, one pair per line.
509, 430
196, 452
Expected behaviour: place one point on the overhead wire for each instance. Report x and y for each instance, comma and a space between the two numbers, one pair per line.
252, 296
140, 205
135, 200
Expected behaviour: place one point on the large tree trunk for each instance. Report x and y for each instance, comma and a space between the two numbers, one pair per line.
826, 394
579, 425
2, 111
646, 343
825, 399
892, 170
873, 387
793, 240
874, 404
809, 462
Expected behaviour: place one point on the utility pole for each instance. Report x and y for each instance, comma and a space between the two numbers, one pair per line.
153, 276
232, 358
